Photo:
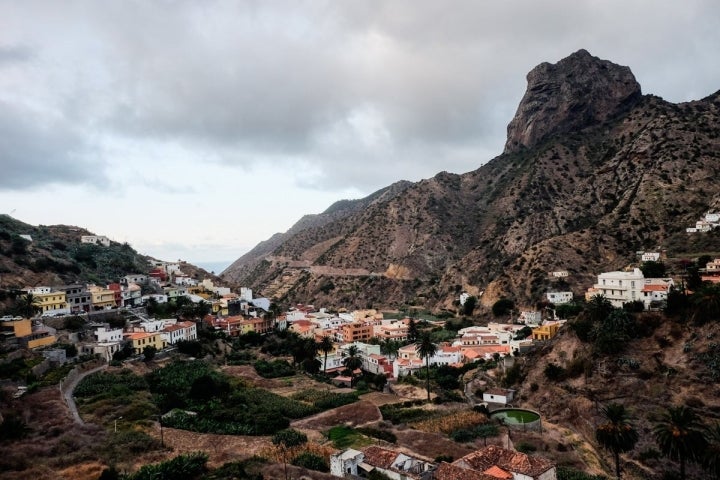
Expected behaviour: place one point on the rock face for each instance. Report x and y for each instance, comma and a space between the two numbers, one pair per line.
578, 91
594, 172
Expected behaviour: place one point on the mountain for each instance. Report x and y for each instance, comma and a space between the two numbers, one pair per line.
55, 256
592, 171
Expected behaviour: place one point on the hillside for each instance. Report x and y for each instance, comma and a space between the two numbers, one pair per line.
593, 171
55, 256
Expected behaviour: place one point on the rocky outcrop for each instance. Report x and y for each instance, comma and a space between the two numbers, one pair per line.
578, 91
616, 172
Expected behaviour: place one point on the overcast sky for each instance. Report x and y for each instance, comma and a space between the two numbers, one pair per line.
196, 129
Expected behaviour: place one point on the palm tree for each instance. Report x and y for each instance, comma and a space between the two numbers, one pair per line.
598, 308
680, 436
352, 361
325, 345
617, 434
426, 349
711, 459
28, 305
390, 347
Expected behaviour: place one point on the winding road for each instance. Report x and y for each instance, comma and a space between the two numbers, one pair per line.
67, 389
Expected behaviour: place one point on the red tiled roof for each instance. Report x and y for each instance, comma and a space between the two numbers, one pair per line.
380, 457
447, 471
498, 472
509, 460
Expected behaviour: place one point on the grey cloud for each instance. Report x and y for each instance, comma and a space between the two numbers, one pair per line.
35, 151
365, 92
14, 54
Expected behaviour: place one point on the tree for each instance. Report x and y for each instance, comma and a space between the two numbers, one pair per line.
352, 361
598, 308
617, 433
680, 436
711, 459
469, 305
390, 347
412, 330
426, 349
149, 352
286, 440
325, 346
503, 307
706, 303
27, 305
653, 269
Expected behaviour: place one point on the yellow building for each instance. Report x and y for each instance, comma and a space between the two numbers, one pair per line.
101, 298
546, 332
140, 340
22, 329
49, 301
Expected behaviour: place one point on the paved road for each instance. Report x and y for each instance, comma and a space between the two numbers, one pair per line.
67, 389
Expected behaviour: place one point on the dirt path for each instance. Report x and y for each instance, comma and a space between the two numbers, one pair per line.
67, 389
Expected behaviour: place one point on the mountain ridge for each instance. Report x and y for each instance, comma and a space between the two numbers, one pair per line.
581, 195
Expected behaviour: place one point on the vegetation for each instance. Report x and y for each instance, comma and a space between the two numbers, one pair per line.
286, 440
680, 436
617, 433
426, 349
182, 467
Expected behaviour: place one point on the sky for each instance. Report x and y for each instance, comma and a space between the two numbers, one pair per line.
195, 129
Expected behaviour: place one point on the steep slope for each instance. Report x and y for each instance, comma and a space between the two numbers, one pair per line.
55, 256
592, 172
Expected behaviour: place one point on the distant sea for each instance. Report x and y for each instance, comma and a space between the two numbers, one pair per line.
216, 267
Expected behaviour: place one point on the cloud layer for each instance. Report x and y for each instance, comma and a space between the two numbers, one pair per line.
353, 93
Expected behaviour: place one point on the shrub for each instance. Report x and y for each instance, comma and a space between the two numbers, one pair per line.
274, 369
525, 447
379, 434
554, 372
311, 461
182, 467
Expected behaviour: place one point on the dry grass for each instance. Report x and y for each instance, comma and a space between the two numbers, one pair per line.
450, 422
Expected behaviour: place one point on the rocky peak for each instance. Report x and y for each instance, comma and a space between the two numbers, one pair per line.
576, 92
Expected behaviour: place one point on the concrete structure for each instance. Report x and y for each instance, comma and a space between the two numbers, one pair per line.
101, 298
95, 240
77, 297
140, 340
498, 395
559, 298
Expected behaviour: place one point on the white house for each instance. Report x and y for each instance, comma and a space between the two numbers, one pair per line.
624, 287
619, 287
346, 462
95, 240
650, 256
134, 278
560, 274
246, 294
498, 395
559, 298
104, 335
181, 331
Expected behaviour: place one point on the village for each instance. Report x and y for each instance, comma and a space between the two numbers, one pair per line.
386, 343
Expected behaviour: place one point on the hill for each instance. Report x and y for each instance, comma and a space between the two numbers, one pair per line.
56, 256
593, 171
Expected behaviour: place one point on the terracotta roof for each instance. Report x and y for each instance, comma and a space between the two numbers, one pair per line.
447, 471
509, 460
380, 457
655, 288
498, 472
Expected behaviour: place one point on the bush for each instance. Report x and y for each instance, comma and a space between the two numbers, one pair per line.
379, 434
182, 467
311, 461
274, 369
525, 447
568, 473
554, 372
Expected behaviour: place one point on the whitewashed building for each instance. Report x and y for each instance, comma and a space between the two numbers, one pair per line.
559, 298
